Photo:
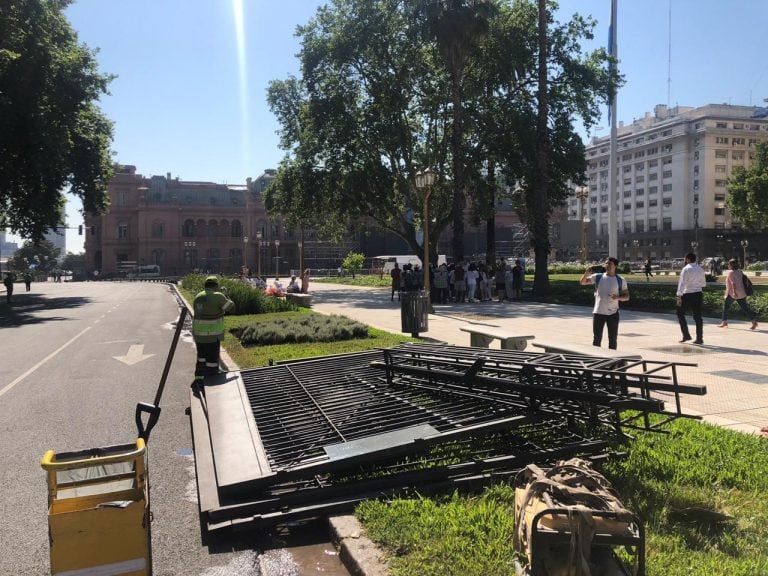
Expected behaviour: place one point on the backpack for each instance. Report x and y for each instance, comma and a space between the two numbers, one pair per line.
748, 288
619, 279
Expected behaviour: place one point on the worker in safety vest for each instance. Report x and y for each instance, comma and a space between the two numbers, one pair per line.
209, 306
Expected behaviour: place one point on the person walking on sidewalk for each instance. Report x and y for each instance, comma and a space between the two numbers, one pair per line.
610, 289
734, 290
395, 275
648, 270
9, 279
209, 307
690, 295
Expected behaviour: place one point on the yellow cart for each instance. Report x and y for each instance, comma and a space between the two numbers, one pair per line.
98, 511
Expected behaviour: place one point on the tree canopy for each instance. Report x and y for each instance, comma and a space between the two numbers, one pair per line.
385, 92
748, 191
53, 136
42, 257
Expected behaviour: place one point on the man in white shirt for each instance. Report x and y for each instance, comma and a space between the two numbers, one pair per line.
689, 294
610, 289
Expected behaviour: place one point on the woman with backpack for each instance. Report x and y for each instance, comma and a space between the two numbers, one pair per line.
735, 290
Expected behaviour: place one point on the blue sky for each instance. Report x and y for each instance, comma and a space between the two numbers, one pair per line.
190, 92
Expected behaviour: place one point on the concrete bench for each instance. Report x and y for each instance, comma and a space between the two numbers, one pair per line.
301, 300
482, 336
585, 350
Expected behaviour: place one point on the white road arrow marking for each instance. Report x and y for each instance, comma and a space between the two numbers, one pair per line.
134, 356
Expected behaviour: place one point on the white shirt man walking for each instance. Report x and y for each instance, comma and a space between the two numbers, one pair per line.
689, 294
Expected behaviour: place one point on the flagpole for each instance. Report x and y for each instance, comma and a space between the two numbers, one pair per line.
613, 241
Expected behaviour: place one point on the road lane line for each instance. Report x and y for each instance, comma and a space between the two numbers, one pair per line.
43, 361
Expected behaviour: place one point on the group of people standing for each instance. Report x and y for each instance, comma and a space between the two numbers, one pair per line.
610, 289
471, 282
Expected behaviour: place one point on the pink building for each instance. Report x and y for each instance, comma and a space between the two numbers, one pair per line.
181, 226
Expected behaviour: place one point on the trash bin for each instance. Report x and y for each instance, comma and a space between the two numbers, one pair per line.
98, 511
414, 312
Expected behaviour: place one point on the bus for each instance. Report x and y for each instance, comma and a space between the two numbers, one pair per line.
385, 264
148, 271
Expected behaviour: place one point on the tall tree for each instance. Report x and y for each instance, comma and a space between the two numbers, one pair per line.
42, 256
458, 25
52, 134
747, 198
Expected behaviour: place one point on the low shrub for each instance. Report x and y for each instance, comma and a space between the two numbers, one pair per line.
310, 328
247, 299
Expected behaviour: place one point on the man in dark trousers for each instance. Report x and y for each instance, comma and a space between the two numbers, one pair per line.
9, 279
209, 307
690, 295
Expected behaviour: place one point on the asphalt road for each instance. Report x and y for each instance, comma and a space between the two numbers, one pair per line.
75, 359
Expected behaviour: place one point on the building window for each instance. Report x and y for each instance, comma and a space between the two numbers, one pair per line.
721, 125
640, 192
653, 226
627, 193
639, 226
667, 174
721, 140
719, 197
640, 204
653, 190
739, 141
666, 188
721, 153
666, 201
653, 176
158, 230
738, 126
627, 206
666, 224
188, 230
122, 230
666, 160
719, 211
653, 163
653, 150
653, 202
720, 183
738, 155
627, 227
720, 168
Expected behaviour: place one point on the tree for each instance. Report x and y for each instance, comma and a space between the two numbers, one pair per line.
377, 102
747, 198
52, 134
353, 262
42, 257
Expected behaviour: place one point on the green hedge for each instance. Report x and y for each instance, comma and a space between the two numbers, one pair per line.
309, 328
247, 299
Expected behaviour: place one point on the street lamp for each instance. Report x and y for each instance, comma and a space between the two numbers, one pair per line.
245, 252
582, 192
694, 245
277, 258
744, 246
258, 250
424, 181
188, 246
636, 243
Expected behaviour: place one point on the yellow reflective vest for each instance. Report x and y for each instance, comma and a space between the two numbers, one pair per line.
209, 307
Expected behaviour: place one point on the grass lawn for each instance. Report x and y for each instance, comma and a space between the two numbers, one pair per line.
701, 491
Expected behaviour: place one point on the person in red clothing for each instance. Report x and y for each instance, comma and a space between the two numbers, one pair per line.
734, 290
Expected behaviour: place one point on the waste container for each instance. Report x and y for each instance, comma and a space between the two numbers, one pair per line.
414, 312
98, 511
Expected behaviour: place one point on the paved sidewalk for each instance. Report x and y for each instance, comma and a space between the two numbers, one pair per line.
732, 363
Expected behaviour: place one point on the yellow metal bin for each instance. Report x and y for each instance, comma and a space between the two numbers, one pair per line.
98, 511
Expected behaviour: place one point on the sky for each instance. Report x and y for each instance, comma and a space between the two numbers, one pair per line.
189, 98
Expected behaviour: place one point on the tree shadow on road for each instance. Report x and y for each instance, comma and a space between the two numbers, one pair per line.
33, 308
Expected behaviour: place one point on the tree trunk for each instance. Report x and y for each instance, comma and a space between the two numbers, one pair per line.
538, 195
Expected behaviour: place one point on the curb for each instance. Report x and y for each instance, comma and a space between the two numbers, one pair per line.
358, 553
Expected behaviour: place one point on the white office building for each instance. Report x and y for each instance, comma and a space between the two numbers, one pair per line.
672, 169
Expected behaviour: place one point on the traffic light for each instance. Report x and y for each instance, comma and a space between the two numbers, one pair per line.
80, 230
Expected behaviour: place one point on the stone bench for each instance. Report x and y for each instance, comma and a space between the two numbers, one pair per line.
301, 300
482, 336
585, 350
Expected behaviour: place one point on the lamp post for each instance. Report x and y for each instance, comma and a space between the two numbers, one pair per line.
188, 246
744, 246
582, 192
258, 251
245, 252
636, 244
424, 181
694, 245
277, 258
